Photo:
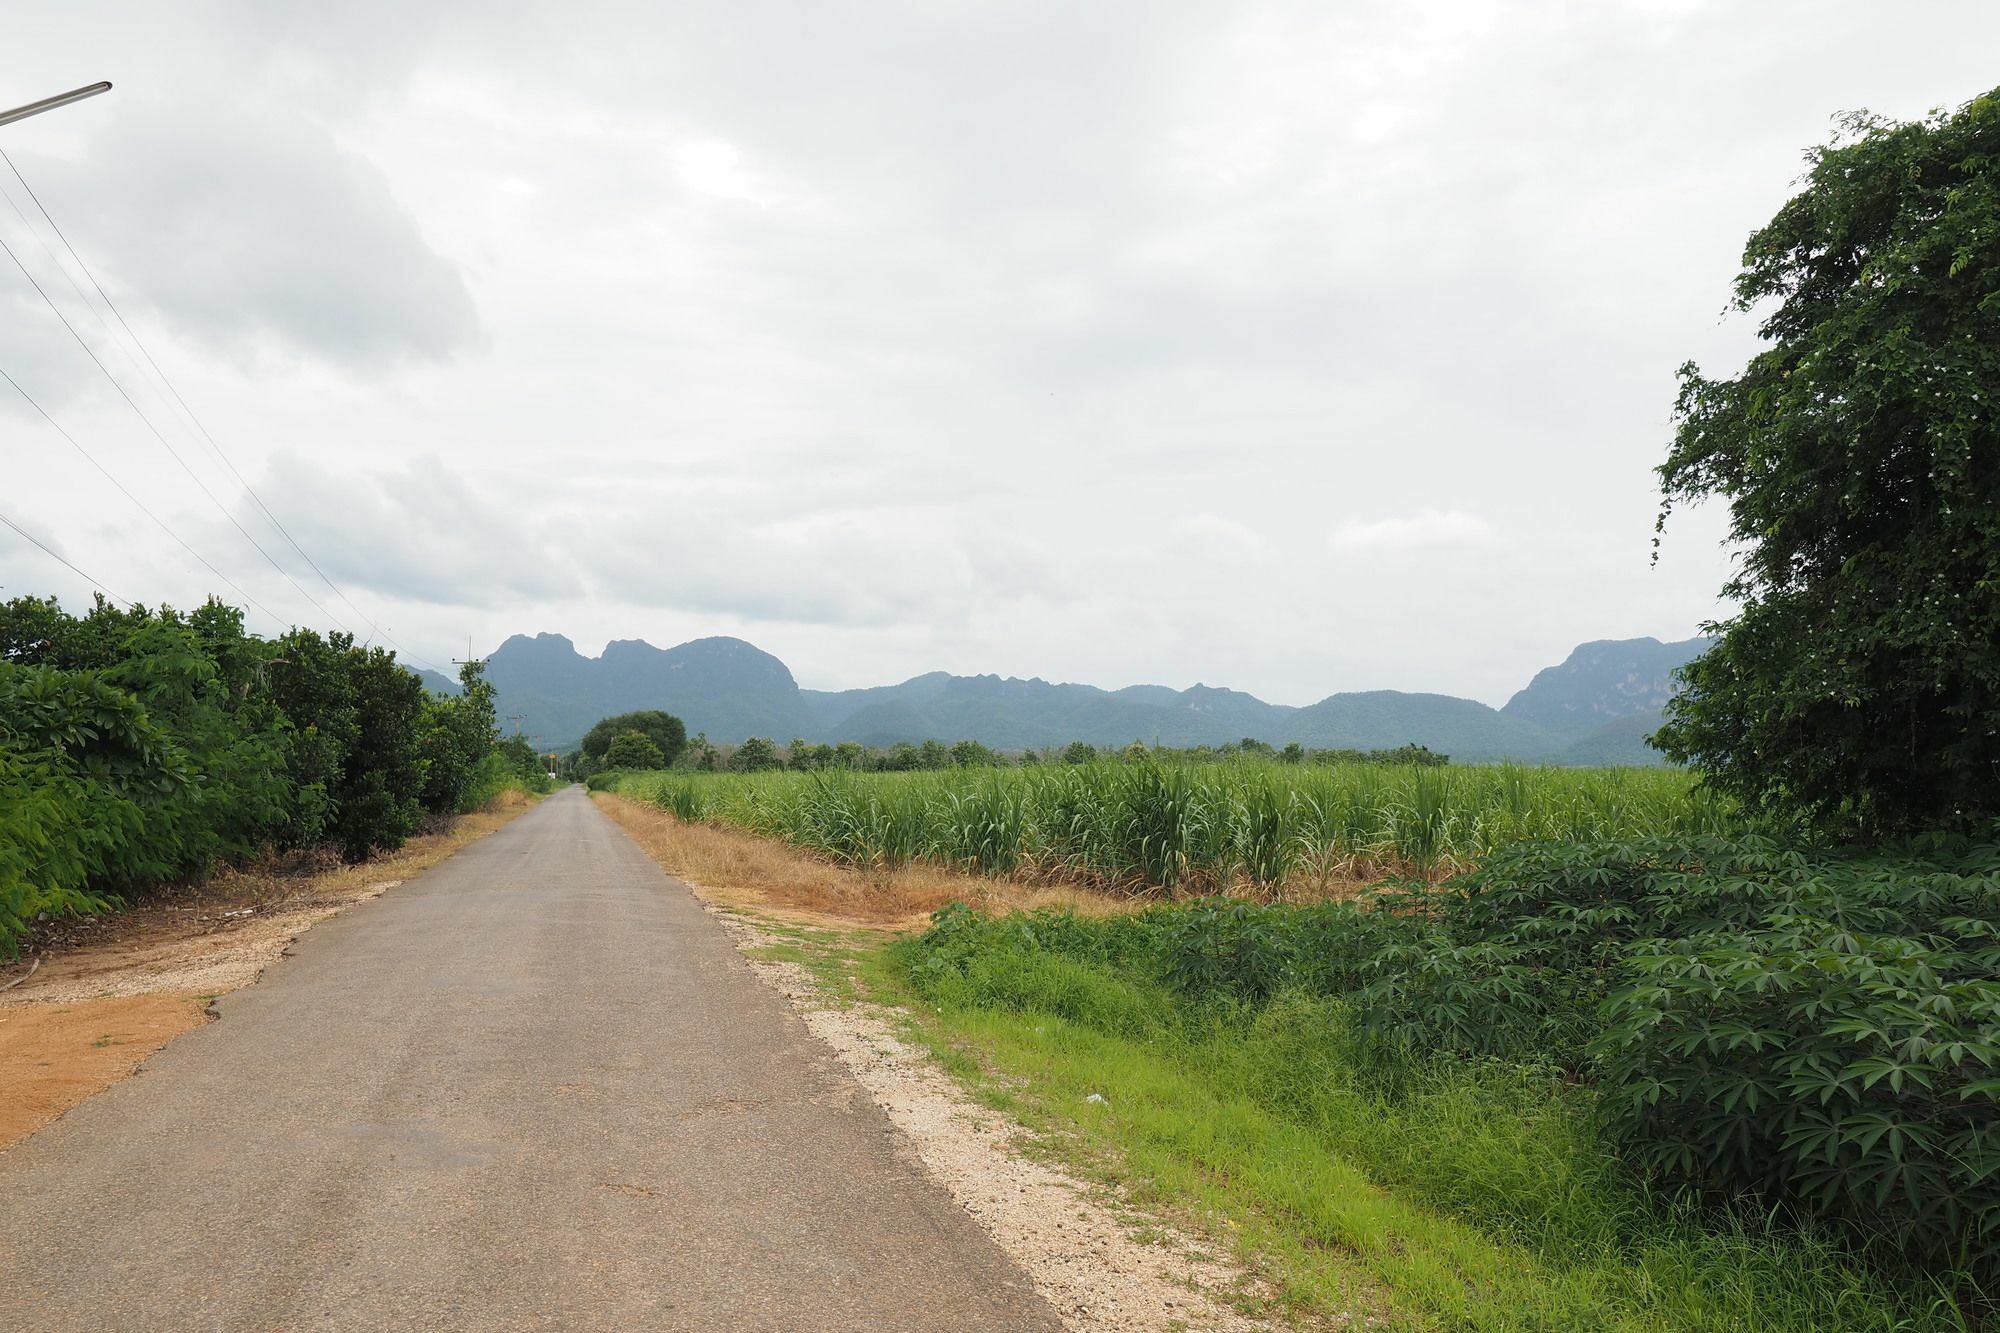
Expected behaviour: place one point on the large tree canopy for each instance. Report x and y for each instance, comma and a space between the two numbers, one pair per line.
1859, 453
662, 729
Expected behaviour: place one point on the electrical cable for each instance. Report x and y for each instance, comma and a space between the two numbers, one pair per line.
58, 559
214, 445
127, 493
164, 442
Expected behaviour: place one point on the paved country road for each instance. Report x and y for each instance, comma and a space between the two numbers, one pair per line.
534, 1087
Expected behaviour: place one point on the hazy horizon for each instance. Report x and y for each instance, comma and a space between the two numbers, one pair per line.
596, 650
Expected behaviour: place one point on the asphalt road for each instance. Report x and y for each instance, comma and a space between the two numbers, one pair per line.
534, 1087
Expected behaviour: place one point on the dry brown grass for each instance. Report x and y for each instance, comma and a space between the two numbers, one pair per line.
737, 869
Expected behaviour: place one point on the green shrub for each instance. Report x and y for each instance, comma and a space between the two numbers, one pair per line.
1839, 1054
1801, 1031
1252, 1099
140, 747
48, 848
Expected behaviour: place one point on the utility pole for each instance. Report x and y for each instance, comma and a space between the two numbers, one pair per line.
51, 103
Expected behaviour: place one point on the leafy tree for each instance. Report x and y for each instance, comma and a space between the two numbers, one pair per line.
635, 749
36, 631
664, 730
141, 746
358, 718
1078, 752
1859, 453
381, 803
810, 758
233, 742
522, 761
754, 756
1293, 753
458, 732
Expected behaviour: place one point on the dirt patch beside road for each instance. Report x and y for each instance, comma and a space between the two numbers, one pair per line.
110, 991
53, 1055
732, 868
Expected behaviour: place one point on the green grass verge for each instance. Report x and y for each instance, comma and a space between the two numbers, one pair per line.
1470, 1199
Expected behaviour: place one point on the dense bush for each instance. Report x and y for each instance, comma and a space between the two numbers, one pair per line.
1831, 1041
138, 747
1817, 1034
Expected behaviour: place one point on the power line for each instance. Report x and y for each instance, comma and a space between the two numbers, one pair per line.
168, 383
164, 442
45, 550
126, 492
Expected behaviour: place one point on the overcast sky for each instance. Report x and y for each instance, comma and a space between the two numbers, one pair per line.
1296, 347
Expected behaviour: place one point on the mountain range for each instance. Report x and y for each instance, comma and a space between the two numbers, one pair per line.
1596, 707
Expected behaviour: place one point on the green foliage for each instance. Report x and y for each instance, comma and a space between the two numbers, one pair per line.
1237, 1070
140, 747
1830, 1040
1860, 457
364, 718
44, 859
664, 730
634, 749
971, 754
520, 759
755, 755
1147, 826
456, 740
1814, 1034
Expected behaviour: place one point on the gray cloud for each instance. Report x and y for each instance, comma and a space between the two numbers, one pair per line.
419, 533
249, 228
1171, 341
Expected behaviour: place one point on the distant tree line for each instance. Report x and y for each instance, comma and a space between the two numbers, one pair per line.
654, 740
140, 747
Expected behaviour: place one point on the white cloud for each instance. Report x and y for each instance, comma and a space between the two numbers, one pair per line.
1425, 528
1226, 539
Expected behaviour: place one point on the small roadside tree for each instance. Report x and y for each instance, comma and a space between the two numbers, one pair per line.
634, 749
971, 754
754, 756
1859, 453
